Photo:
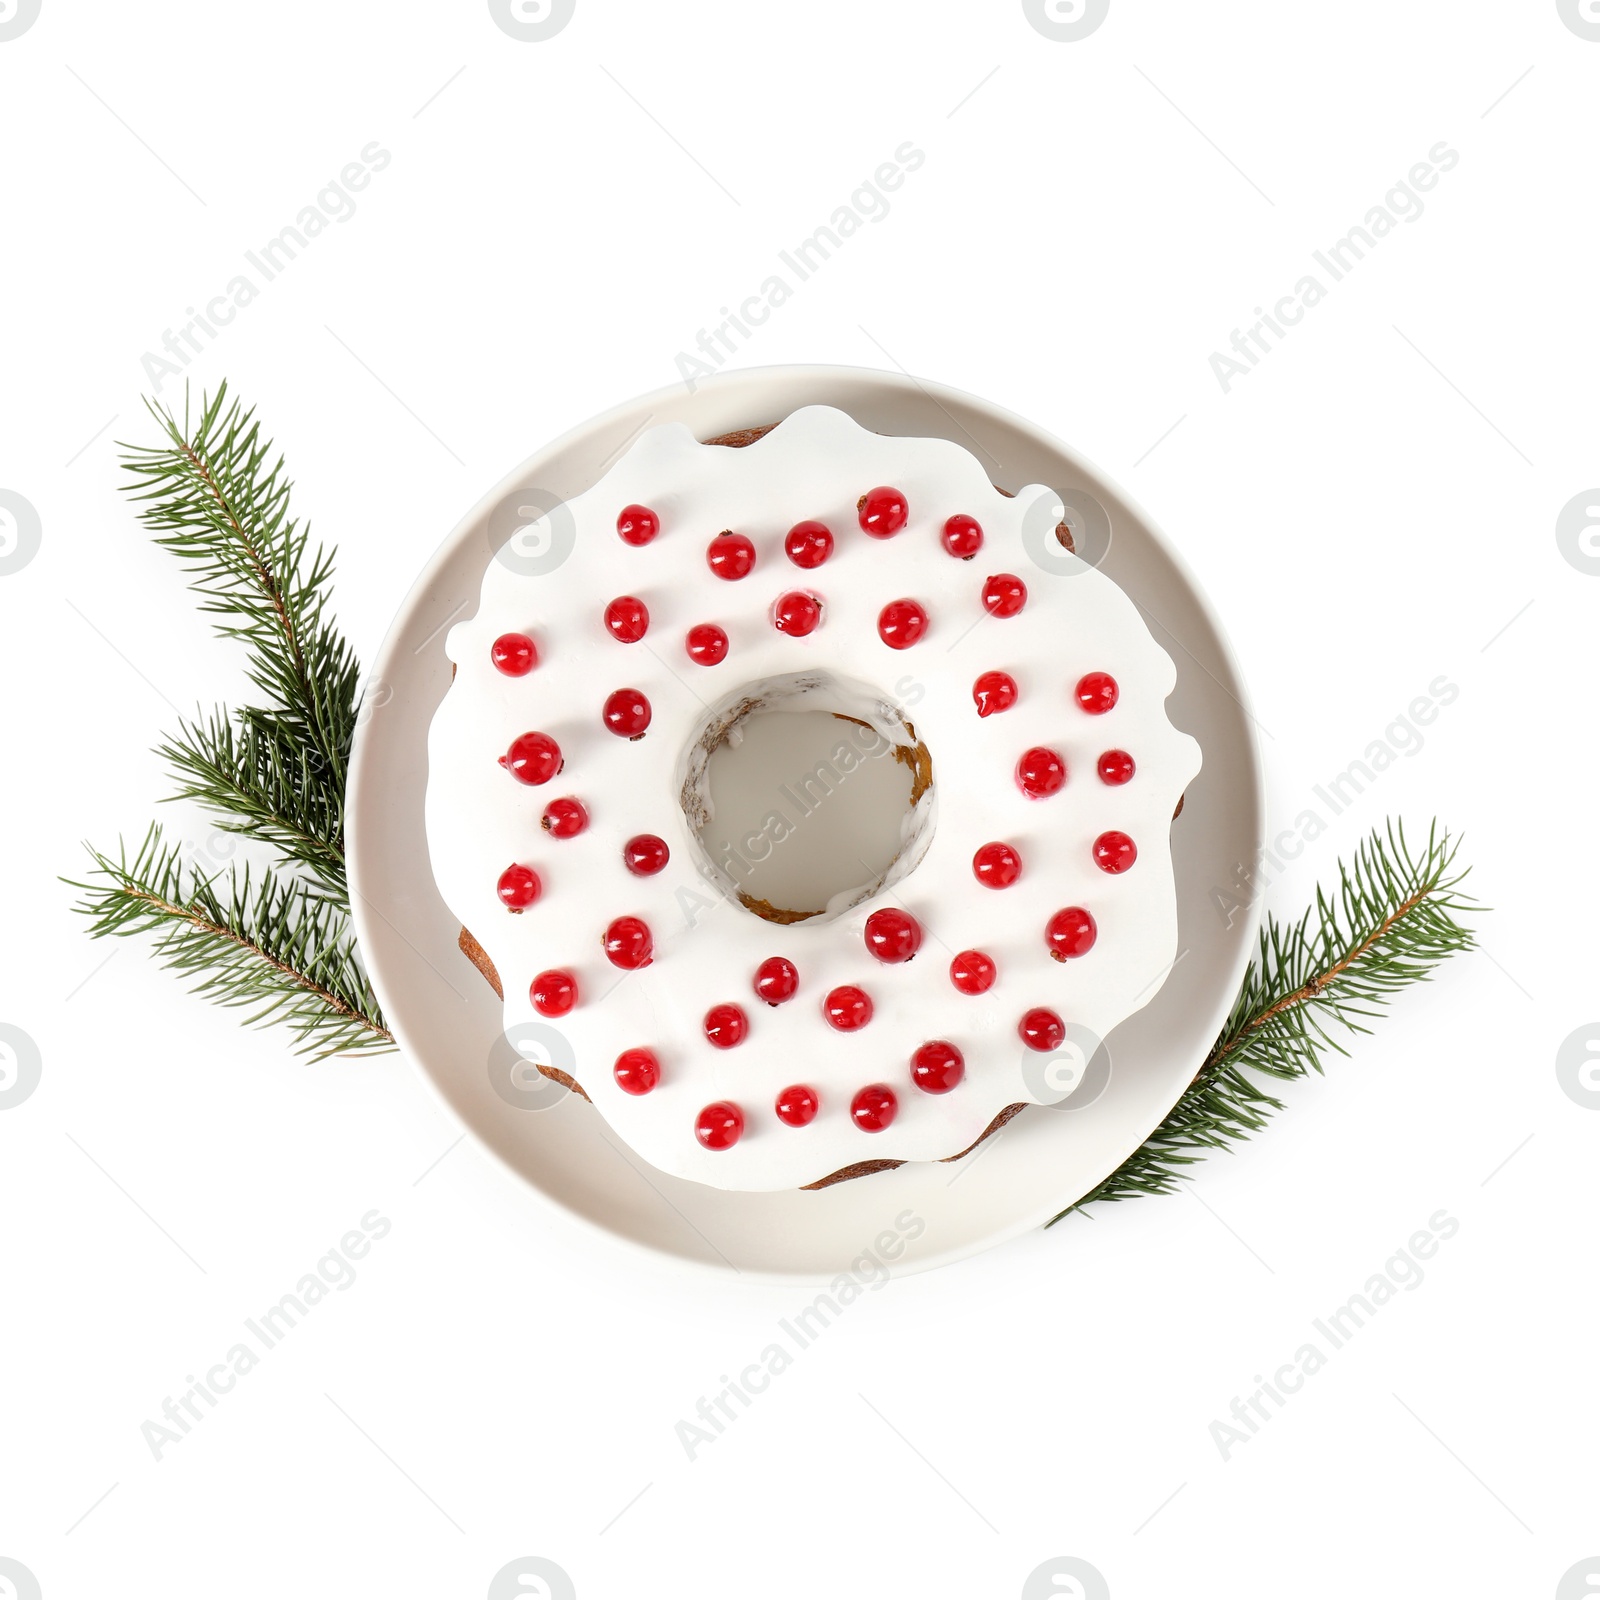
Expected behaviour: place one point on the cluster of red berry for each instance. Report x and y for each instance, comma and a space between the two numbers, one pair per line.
892, 935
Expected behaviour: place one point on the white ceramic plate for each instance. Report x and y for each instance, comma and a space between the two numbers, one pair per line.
448, 1021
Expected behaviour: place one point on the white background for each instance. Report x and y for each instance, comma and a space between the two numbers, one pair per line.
1373, 507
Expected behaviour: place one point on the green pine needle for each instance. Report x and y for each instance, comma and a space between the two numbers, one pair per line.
260, 779
270, 945
276, 943
1394, 918
217, 495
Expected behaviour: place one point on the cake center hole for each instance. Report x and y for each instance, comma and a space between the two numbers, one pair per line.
809, 795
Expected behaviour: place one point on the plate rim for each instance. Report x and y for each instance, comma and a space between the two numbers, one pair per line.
792, 373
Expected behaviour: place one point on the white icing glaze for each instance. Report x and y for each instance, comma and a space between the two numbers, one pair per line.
816, 464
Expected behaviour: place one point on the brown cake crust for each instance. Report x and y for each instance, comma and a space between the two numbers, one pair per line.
856, 1169
862, 1169
565, 1079
479, 957
1001, 1118
741, 436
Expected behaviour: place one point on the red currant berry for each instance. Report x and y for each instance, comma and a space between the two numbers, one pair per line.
1114, 852
901, 623
644, 855
994, 691
808, 544
707, 644
518, 888
627, 619
564, 819
797, 613
533, 758
1004, 595
1042, 1029
893, 935
553, 993
963, 537
1097, 692
881, 512
637, 525
731, 555
1070, 933
847, 1008
726, 1026
873, 1108
796, 1105
628, 944
776, 980
1115, 767
637, 1071
718, 1126
627, 713
972, 972
937, 1067
1040, 772
996, 866
515, 654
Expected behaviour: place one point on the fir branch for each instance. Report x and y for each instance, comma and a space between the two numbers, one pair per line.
276, 943
217, 496
273, 946
260, 780
1393, 919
